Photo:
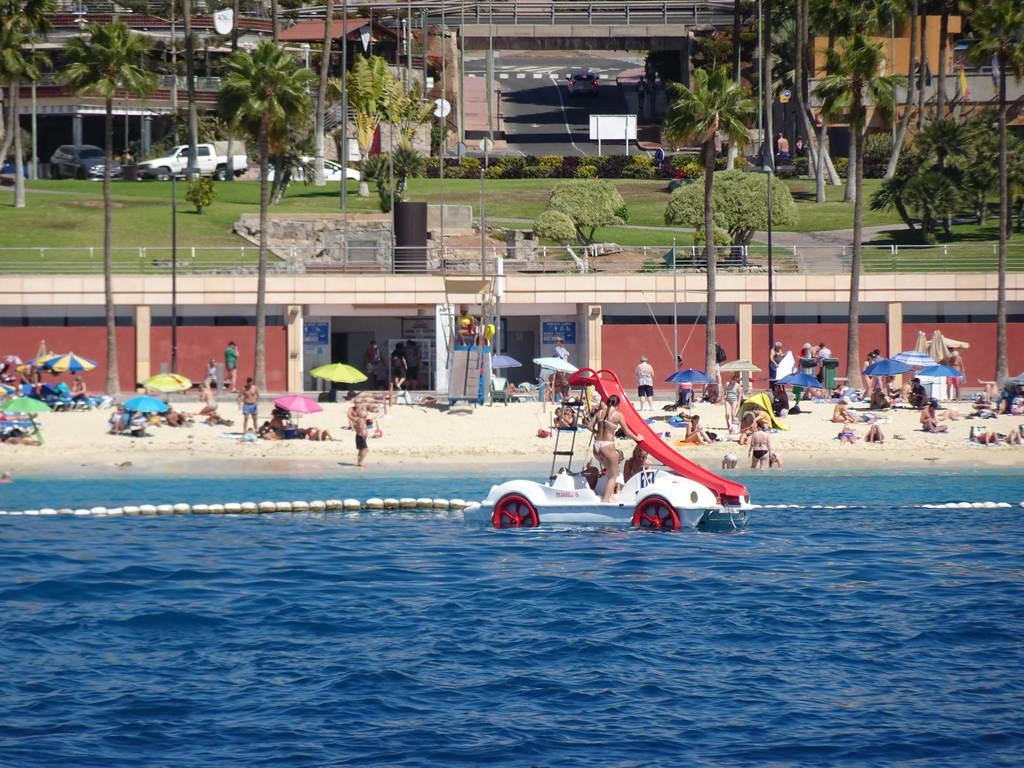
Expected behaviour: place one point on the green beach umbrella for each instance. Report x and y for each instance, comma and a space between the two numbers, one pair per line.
28, 405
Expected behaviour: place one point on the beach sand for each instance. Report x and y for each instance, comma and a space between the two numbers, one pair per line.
496, 438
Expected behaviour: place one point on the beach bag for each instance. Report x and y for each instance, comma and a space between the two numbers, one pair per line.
720, 356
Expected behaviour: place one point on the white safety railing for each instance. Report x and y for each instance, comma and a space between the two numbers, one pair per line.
531, 257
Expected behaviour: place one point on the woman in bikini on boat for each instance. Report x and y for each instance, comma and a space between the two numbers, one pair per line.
604, 424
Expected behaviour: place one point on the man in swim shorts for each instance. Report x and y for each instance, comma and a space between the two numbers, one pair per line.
249, 399
362, 431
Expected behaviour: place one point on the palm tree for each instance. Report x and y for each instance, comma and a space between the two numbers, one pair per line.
20, 22
321, 96
851, 79
716, 104
943, 140
930, 196
111, 60
18, 60
369, 87
265, 92
999, 23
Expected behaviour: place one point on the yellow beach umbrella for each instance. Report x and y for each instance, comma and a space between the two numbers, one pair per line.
339, 372
167, 382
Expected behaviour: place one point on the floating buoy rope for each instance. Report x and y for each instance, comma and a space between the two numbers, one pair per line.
251, 507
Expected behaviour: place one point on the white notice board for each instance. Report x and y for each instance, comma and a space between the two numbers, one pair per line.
612, 128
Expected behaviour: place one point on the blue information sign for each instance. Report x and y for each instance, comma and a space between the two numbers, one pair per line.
315, 334
564, 330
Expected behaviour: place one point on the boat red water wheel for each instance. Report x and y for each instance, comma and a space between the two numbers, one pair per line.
656, 513
514, 511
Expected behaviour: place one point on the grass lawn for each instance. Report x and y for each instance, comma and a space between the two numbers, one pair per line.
69, 214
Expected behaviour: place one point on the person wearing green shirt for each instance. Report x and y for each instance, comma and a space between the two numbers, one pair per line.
231, 366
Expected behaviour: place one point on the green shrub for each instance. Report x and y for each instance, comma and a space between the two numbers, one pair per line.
538, 172
841, 164
471, 164
877, 148
586, 172
201, 193
551, 161
638, 170
494, 172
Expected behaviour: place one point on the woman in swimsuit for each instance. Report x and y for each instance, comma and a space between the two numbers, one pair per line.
695, 434
604, 423
732, 399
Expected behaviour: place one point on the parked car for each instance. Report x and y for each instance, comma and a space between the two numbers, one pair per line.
81, 161
332, 171
211, 160
582, 83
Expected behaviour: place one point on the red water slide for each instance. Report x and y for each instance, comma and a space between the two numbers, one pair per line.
607, 384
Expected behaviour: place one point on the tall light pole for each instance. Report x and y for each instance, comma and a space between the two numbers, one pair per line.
771, 276
174, 273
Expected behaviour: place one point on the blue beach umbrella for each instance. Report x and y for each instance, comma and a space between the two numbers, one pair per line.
690, 376
946, 371
804, 380
504, 361
69, 363
146, 404
884, 366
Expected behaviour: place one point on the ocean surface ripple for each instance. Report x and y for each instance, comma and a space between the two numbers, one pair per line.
879, 634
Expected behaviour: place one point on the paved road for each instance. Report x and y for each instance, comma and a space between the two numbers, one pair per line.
540, 117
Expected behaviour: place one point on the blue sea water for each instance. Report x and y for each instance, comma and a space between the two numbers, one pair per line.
848, 625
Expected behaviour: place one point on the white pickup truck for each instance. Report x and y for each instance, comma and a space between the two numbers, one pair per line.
212, 160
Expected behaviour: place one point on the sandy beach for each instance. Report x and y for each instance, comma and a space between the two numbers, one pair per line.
496, 437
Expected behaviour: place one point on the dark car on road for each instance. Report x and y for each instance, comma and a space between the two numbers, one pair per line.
81, 161
581, 83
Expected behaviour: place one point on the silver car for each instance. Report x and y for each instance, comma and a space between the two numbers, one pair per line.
81, 161
582, 83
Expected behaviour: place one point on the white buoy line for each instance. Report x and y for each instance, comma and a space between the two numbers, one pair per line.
252, 508
944, 505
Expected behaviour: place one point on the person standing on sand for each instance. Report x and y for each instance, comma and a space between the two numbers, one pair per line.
231, 366
249, 399
645, 384
953, 383
359, 426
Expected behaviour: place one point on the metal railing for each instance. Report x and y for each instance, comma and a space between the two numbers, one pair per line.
531, 258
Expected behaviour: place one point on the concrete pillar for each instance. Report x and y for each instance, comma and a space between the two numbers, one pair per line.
894, 328
76, 129
745, 323
143, 342
293, 320
590, 321
147, 136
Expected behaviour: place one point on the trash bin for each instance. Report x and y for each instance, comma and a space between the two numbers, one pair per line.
829, 366
808, 365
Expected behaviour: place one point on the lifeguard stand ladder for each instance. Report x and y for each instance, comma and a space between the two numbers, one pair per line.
469, 369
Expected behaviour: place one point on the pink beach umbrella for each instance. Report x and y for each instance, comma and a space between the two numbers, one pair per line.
298, 404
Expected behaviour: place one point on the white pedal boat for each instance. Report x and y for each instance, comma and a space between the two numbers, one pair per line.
680, 494
653, 498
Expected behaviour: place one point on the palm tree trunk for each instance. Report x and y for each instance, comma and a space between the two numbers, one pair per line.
940, 102
819, 195
321, 99
190, 74
922, 68
259, 354
113, 378
711, 330
853, 324
1002, 364
897, 143
850, 195
766, 73
12, 121
19, 176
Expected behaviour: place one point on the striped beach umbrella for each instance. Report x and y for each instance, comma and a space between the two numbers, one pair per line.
69, 363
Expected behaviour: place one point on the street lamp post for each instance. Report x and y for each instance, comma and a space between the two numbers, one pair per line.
174, 274
771, 276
